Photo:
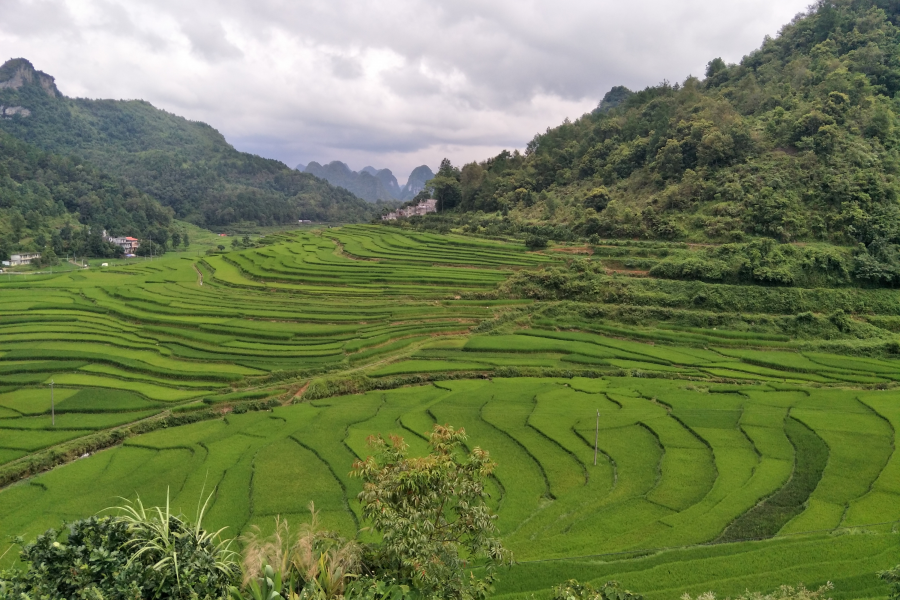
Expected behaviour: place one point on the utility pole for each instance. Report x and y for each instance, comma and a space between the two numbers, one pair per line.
596, 437
52, 407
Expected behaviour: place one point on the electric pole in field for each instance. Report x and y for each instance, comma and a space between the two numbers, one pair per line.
52, 407
596, 437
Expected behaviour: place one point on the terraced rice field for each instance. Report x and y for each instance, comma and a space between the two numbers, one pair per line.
148, 337
677, 465
724, 460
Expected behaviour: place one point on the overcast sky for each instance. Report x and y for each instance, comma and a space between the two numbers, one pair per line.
391, 83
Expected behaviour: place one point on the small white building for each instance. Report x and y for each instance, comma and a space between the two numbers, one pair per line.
421, 209
21, 259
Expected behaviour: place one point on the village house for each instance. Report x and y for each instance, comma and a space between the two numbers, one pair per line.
127, 244
16, 260
421, 209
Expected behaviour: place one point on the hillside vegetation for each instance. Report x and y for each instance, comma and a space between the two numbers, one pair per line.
798, 142
186, 165
49, 202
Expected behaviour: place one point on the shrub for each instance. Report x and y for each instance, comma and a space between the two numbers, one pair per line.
139, 554
536, 242
572, 590
90, 562
892, 577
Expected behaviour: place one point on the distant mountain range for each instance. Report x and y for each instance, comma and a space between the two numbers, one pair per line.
370, 184
185, 165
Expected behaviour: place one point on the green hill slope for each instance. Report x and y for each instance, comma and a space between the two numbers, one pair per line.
64, 203
186, 165
798, 142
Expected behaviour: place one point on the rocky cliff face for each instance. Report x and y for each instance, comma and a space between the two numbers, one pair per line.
416, 182
18, 72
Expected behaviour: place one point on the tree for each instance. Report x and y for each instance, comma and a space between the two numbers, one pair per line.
445, 186
598, 199
17, 223
431, 514
669, 160
48, 258
536, 242
715, 66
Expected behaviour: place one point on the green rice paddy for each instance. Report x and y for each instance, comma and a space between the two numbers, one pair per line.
724, 460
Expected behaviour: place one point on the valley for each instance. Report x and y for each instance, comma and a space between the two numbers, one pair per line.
652, 354
713, 444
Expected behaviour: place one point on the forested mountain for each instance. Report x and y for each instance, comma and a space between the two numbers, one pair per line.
416, 182
798, 142
387, 179
370, 183
64, 204
186, 165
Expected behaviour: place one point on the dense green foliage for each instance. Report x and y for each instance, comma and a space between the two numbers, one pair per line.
185, 165
797, 142
762, 262
48, 202
590, 281
892, 577
432, 514
100, 558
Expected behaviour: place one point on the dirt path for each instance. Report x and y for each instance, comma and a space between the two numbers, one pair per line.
199, 275
299, 393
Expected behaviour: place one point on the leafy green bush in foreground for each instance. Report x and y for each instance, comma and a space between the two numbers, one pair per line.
141, 554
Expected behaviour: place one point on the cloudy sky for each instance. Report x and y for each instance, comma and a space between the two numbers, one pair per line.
391, 83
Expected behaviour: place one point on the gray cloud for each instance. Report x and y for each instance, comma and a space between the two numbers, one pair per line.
346, 67
209, 41
393, 83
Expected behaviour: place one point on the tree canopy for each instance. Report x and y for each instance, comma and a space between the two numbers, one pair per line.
432, 514
798, 142
185, 165
63, 204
